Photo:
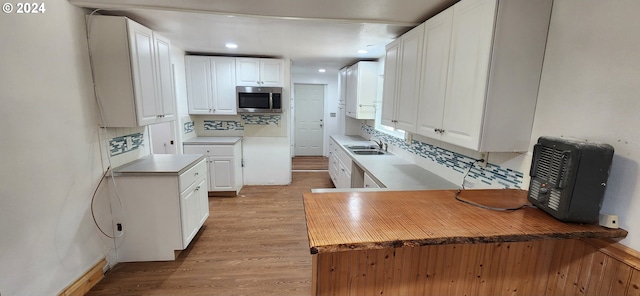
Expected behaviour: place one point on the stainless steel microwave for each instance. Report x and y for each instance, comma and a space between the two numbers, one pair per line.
258, 99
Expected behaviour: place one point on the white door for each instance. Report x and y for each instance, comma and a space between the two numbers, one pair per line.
163, 138
309, 114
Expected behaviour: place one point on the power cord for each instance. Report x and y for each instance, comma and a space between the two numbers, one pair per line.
457, 194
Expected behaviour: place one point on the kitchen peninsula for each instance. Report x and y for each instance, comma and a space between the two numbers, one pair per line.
428, 243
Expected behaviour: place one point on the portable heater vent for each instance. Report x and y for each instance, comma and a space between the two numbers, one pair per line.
568, 178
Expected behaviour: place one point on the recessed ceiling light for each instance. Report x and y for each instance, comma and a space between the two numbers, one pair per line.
231, 45
362, 51
322, 70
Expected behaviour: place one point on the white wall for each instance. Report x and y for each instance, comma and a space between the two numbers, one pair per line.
330, 80
50, 153
589, 90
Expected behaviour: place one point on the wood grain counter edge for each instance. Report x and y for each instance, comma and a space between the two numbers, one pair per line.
613, 233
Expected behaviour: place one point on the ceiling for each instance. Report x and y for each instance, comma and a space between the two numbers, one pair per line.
312, 33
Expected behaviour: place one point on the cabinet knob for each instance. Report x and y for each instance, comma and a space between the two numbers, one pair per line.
196, 174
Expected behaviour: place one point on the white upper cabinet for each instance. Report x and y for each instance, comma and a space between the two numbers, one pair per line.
167, 101
259, 72
391, 67
211, 85
342, 85
434, 75
484, 99
132, 72
402, 80
361, 90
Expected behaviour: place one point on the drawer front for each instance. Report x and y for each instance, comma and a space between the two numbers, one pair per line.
209, 150
344, 158
191, 175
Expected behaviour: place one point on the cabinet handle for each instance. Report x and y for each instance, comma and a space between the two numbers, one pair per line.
210, 110
196, 174
197, 188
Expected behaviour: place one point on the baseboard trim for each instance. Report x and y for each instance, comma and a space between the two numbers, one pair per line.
84, 283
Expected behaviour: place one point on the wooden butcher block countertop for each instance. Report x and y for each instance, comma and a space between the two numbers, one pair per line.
375, 220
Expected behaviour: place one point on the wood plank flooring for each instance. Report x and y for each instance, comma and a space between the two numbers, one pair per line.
253, 244
302, 163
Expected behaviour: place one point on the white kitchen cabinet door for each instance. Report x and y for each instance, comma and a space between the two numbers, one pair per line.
199, 90
259, 72
437, 39
471, 40
223, 70
344, 176
166, 99
143, 70
389, 89
406, 105
369, 182
221, 173
211, 85
271, 72
342, 85
247, 72
362, 80
192, 210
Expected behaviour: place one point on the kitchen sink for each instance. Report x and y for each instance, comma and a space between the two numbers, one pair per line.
369, 152
356, 147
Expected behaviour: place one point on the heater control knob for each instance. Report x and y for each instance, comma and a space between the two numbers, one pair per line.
544, 190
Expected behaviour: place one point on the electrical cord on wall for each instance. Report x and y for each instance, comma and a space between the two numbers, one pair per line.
457, 194
107, 152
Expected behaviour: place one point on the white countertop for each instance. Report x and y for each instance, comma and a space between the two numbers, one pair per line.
393, 171
212, 141
163, 164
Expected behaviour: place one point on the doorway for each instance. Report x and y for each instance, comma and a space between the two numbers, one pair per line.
309, 119
163, 138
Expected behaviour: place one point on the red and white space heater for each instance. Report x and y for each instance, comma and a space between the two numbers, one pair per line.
569, 177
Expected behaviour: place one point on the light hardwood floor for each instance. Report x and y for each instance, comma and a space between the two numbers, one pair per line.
253, 244
310, 163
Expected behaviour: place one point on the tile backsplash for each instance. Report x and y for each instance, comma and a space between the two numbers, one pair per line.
261, 119
124, 144
492, 175
189, 127
222, 125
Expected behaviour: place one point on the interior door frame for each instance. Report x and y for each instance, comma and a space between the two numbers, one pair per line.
293, 116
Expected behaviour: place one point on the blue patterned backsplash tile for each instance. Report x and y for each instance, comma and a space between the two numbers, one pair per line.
189, 127
119, 145
223, 125
493, 175
261, 119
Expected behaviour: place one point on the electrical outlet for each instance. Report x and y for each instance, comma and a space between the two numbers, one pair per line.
485, 156
468, 184
408, 137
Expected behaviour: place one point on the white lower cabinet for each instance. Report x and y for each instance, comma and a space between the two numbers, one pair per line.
162, 212
370, 182
340, 165
225, 165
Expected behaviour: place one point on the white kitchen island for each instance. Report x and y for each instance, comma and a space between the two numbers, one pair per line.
164, 204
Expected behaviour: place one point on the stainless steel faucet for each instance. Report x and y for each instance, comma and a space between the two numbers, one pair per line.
380, 143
